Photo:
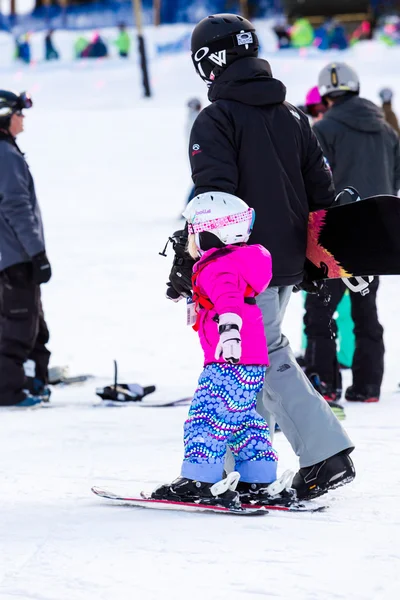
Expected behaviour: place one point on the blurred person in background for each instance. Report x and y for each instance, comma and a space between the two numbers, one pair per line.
123, 41
314, 107
23, 48
23, 267
386, 95
194, 109
49, 49
363, 151
282, 32
97, 47
302, 33
80, 46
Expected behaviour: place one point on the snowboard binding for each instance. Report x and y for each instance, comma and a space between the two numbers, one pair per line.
124, 392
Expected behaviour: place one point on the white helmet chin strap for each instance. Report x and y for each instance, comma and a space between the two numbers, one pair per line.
361, 286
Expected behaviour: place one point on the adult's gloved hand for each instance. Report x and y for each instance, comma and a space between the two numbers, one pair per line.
180, 277
230, 342
41, 268
172, 294
311, 287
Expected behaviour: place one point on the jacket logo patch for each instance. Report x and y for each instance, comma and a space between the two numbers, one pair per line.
196, 149
219, 58
283, 368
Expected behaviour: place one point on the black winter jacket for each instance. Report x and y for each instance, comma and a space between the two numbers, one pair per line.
251, 143
362, 149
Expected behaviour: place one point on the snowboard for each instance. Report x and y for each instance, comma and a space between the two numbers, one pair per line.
354, 240
146, 502
144, 404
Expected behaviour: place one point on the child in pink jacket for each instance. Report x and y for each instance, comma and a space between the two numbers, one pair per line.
226, 279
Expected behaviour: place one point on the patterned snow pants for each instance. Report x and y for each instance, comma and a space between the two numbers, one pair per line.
223, 413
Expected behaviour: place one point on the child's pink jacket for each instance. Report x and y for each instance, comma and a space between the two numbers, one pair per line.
246, 270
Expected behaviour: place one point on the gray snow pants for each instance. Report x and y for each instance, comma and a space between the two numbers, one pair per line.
289, 398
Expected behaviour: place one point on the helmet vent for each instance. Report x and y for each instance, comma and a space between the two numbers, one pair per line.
226, 20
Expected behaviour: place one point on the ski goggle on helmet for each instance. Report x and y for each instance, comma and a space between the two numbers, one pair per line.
10, 102
226, 216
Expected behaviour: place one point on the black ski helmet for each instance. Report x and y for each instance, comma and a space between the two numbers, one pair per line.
218, 41
10, 102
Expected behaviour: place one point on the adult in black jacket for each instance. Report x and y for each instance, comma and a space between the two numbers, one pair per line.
363, 151
23, 266
251, 143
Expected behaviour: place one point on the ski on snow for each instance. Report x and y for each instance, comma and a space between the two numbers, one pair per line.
145, 501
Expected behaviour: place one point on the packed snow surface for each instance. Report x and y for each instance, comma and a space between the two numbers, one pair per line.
112, 175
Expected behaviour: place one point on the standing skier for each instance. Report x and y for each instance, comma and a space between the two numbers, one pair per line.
363, 151
23, 266
227, 277
250, 143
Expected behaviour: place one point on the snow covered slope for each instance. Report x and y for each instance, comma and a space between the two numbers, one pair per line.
112, 175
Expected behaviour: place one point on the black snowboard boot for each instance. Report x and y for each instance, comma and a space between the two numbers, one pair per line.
311, 482
369, 393
189, 490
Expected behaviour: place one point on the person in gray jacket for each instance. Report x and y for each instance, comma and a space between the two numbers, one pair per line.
23, 266
363, 151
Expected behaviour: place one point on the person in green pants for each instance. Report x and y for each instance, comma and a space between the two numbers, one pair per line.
123, 41
345, 338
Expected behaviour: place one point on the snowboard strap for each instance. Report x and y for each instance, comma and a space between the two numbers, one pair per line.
361, 286
201, 300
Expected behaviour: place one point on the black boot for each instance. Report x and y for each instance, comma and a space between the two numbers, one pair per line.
189, 490
369, 393
310, 482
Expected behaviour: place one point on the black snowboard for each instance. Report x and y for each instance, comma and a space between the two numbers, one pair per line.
362, 238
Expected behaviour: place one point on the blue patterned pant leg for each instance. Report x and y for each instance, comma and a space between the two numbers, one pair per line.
222, 413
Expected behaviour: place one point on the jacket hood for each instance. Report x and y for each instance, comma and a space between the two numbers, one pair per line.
250, 81
357, 113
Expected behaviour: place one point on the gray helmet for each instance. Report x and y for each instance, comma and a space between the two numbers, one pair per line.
386, 95
337, 79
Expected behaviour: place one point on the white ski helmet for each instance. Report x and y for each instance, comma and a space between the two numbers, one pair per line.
226, 216
337, 79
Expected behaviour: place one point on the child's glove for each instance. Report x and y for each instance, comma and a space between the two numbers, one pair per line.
230, 342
